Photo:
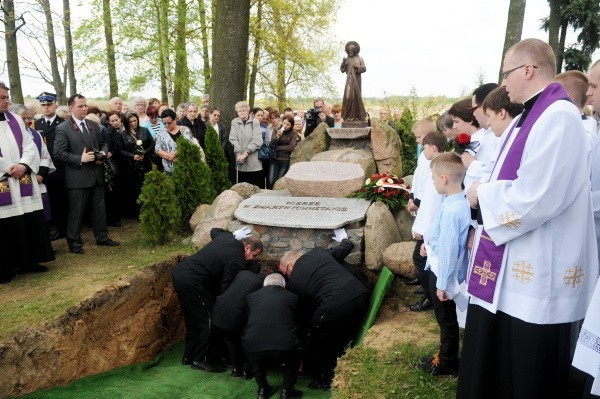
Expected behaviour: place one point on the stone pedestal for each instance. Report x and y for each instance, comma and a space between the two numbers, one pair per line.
324, 179
348, 133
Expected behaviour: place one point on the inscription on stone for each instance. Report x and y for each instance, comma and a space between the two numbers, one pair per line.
302, 212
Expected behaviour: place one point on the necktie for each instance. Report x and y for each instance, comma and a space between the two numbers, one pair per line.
84, 130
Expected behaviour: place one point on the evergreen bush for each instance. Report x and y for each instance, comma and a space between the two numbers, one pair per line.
409, 143
216, 160
191, 180
160, 214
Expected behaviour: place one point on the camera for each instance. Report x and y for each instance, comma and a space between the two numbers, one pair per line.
313, 113
99, 156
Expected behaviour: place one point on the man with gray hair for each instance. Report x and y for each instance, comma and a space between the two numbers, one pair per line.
271, 336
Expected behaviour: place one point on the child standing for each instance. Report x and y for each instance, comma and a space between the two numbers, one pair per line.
445, 248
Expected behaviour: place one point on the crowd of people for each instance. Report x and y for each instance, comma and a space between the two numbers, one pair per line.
93, 161
504, 193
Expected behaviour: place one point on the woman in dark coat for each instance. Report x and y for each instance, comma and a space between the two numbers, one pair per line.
136, 148
284, 141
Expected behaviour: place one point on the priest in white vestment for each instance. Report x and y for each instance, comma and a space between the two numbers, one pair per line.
534, 263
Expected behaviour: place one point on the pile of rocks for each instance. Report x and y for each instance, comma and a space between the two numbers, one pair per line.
309, 202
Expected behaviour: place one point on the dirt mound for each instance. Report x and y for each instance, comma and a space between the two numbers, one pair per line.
124, 323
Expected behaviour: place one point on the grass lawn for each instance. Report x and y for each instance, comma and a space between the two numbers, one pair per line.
32, 299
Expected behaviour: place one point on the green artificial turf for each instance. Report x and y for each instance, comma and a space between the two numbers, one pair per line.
165, 377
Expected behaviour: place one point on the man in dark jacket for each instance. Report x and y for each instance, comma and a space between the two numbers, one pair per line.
271, 336
229, 314
198, 280
333, 303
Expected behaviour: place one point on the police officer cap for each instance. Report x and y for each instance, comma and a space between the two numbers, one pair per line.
46, 98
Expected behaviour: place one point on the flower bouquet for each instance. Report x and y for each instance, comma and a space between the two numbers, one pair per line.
386, 188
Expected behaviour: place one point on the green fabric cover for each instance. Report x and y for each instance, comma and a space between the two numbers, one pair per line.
165, 377
383, 284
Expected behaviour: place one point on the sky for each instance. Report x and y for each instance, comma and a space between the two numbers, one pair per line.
436, 47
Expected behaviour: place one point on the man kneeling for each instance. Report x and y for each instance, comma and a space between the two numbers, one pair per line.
271, 337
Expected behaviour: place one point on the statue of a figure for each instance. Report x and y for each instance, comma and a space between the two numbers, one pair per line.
353, 108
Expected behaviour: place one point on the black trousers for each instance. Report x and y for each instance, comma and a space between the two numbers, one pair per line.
332, 332
505, 357
445, 314
196, 305
256, 178
263, 361
59, 208
78, 201
422, 274
233, 343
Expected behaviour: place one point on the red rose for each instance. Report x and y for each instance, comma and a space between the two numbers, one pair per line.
401, 181
463, 139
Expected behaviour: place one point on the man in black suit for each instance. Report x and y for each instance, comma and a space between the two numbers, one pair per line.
271, 336
80, 146
333, 303
55, 182
229, 314
198, 280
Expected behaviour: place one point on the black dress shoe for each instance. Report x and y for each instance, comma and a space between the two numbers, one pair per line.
6, 278
237, 372
107, 242
77, 250
186, 361
211, 368
37, 268
264, 393
412, 282
57, 235
290, 394
320, 384
425, 304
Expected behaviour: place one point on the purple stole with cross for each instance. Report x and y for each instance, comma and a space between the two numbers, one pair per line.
488, 257
25, 183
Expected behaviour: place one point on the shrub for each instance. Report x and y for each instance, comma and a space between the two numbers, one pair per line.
160, 213
216, 160
409, 143
191, 180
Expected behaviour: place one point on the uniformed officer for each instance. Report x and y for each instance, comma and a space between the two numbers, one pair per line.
55, 183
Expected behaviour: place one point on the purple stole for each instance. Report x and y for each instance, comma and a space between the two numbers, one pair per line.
488, 257
25, 184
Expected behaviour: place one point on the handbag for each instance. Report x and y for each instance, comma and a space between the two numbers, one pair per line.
267, 153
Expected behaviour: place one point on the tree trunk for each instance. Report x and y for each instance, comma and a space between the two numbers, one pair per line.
12, 55
514, 27
281, 86
560, 54
204, 39
111, 63
181, 79
230, 52
255, 55
56, 79
554, 23
69, 47
163, 32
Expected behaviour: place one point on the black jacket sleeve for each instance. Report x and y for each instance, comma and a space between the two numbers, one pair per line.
341, 251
